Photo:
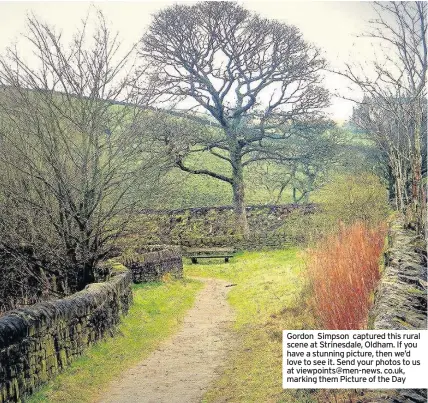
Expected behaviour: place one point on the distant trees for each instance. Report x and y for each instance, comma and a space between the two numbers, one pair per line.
324, 153
257, 78
394, 108
72, 167
391, 126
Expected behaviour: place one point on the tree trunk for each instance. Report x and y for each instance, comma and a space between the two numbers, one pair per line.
88, 274
239, 191
84, 275
239, 206
417, 193
80, 272
391, 187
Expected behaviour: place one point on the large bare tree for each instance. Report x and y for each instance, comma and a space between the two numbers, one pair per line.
72, 167
257, 79
393, 110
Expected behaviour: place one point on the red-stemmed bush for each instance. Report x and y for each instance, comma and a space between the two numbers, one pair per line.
344, 271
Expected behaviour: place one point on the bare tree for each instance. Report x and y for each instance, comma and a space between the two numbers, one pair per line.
257, 78
394, 106
72, 167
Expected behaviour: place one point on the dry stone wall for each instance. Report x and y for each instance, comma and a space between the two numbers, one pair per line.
152, 266
38, 342
215, 226
401, 298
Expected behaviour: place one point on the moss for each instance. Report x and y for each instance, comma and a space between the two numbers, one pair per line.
370, 322
43, 373
14, 389
32, 330
63, 358
4, 394
416, 291
403, 323
52, 362
114, 265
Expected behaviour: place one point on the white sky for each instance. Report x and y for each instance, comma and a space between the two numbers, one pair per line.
333, 26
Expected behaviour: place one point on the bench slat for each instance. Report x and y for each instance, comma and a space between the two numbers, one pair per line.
207, 257
195, 258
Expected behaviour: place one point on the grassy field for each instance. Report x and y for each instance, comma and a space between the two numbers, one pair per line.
268, 297
156, 313
188, 190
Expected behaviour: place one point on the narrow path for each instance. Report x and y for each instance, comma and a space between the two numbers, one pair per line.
182, 368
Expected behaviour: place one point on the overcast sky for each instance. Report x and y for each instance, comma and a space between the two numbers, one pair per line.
332, 26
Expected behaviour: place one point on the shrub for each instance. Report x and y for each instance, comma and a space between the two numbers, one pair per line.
344, 271
351, 198
346, 199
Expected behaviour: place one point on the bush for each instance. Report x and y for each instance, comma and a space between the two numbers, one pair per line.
352, 198
344, 271
345, 200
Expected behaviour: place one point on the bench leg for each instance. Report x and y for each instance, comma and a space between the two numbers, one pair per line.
226, 259
194, 260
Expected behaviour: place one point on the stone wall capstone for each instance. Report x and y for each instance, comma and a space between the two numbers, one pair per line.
39, 341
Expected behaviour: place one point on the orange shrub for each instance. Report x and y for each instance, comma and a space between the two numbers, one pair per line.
344, 271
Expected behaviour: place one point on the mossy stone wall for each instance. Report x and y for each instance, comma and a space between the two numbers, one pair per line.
216, 227
152, 266
39, 341
401, 298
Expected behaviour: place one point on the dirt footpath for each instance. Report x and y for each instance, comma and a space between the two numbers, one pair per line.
182, 368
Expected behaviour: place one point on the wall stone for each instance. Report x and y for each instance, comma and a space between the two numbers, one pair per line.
39, 341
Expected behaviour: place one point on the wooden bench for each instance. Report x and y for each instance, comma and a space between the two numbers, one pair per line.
195, 258
213, 253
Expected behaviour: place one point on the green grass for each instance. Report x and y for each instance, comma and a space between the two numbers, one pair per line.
156, 313
269, 296
266, 282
